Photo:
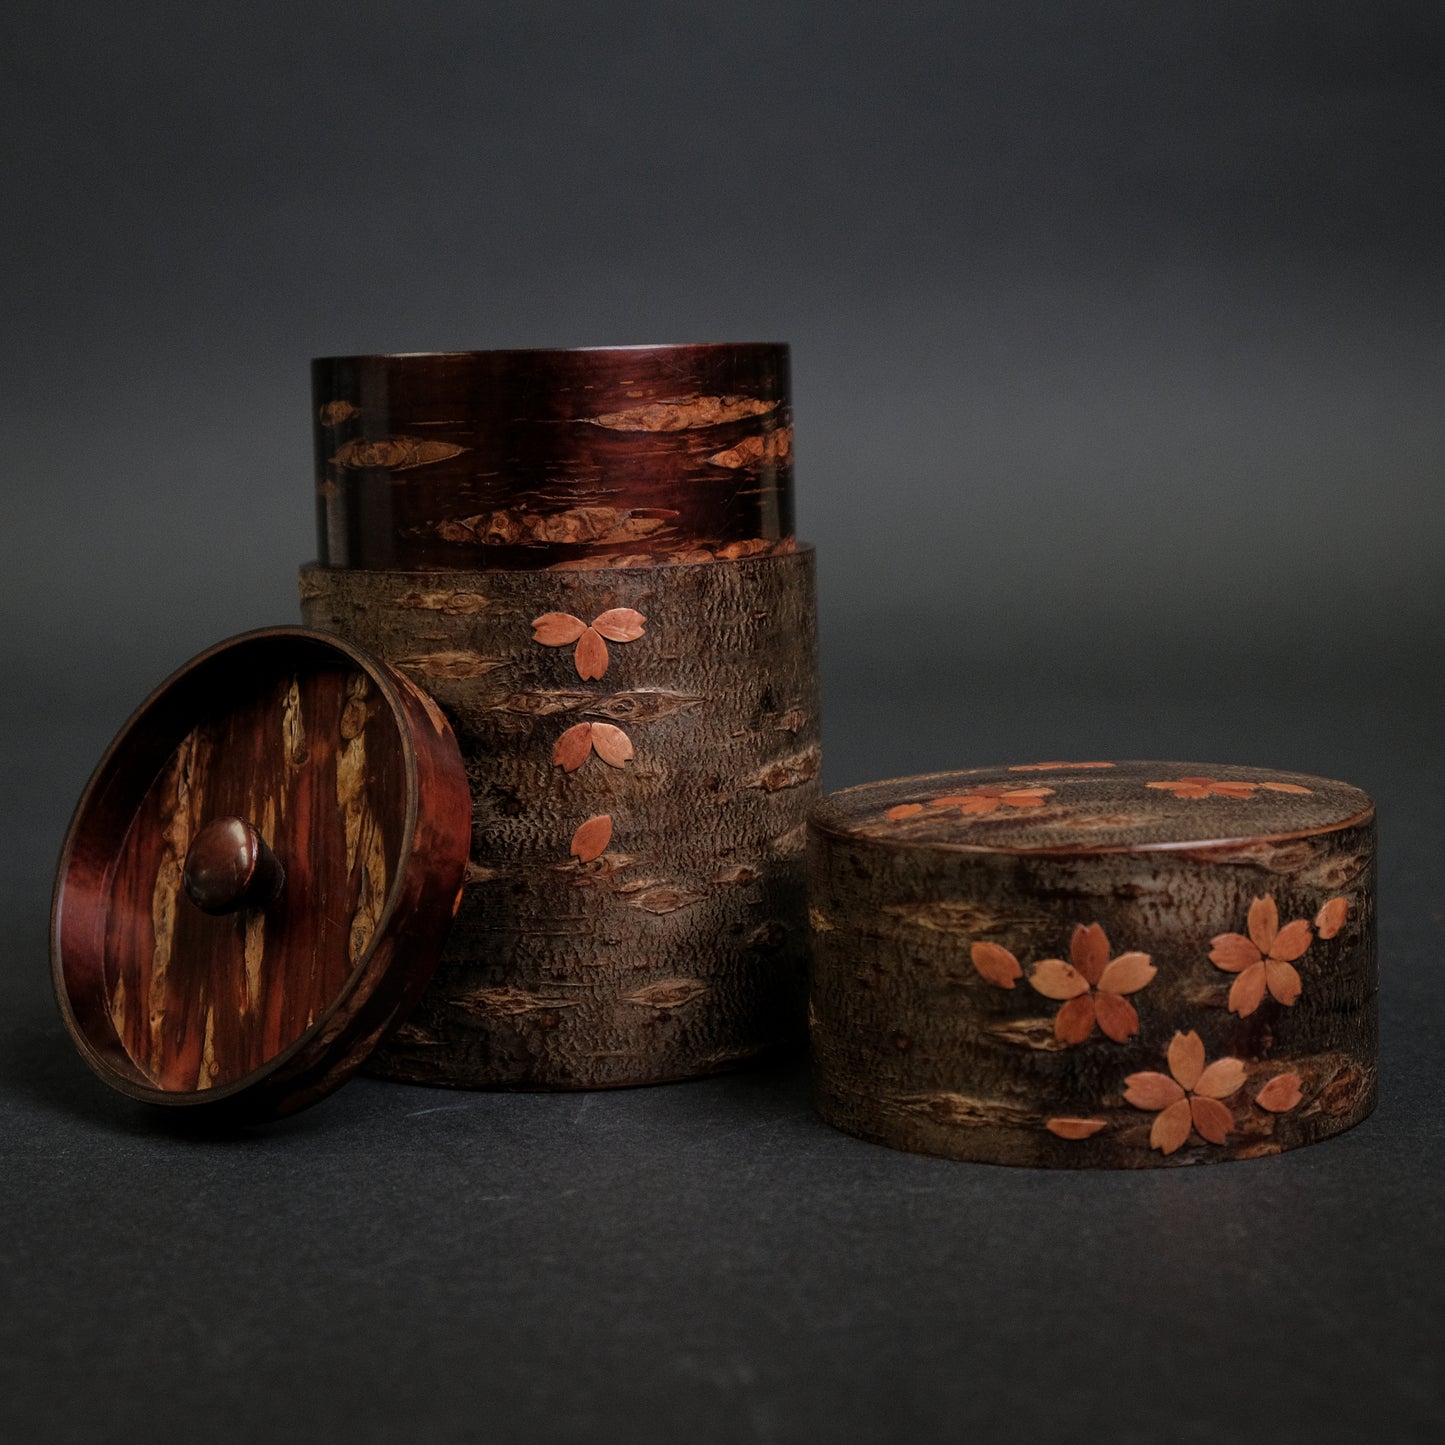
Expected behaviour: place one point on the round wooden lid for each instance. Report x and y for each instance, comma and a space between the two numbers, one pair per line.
592, 457
1091, 807
259, 876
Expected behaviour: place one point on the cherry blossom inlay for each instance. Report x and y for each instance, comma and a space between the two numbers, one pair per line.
1264, 960
1092, 987
1187, 1098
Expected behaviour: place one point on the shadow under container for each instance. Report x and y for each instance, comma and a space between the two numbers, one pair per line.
587, 559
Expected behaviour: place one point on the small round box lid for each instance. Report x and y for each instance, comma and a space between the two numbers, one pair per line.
1068, 807
259, 876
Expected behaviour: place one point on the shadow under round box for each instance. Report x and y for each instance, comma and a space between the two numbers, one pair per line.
587, 559
1094, 964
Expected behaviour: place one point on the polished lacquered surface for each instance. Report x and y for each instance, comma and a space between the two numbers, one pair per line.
602, 456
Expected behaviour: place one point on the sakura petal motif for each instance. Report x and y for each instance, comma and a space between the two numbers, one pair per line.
1247, 992
1263, 960
1075, 1021
1128, 973
1233, 952
990, 797
1331, 918
1066, 1128
611, 744
995, 964
1092, 987
1089, 948
1025, 797
560, 629
1291, 941
1186, 1059
591, 655
1204, 788
1211, 1119
591, 839
619, 624
1280, 1094
986, 798
557, 629
1187, 1099
574, 747
1221, 1079
1151, 1091
1263, 923
1218, 788
1171, 1128
1058, 980
1283, 982
1118, 1018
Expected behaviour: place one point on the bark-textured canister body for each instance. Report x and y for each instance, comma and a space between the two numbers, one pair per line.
1096, 964
642, 744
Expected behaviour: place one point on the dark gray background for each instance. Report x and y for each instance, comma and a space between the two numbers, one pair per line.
1117, 364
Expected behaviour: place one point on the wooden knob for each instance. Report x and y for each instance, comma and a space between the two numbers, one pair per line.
229, 867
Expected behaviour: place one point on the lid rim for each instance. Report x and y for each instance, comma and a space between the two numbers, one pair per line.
830, 816
320, 1058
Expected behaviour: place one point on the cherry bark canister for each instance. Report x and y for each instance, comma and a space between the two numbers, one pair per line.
1094, 964
587, 559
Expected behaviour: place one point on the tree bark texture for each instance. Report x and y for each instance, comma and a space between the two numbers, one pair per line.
999, 975
642, 745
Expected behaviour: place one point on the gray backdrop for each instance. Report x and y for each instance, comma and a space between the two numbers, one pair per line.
1117, 365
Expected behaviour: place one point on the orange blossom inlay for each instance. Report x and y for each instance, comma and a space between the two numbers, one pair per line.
1092, 987
574, 747
1331, 918
591, 839
560, 629
1280, 1094
1264, 960
996, 964
1187, 1097
986, 798
1075, 1128
1214, 788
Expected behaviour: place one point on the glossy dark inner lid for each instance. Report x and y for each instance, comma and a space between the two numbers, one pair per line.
1092, 806
314, 760
188, 974
564, 458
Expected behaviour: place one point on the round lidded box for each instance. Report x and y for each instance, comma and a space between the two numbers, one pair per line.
1094, 964
259, 876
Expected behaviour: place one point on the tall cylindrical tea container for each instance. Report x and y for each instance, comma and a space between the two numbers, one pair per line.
587, 558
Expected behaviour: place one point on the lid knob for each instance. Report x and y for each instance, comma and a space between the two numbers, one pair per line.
229, 866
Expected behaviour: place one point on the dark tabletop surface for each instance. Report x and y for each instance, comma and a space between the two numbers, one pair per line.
707, 1261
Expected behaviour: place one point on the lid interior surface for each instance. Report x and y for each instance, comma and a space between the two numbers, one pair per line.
297, 736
